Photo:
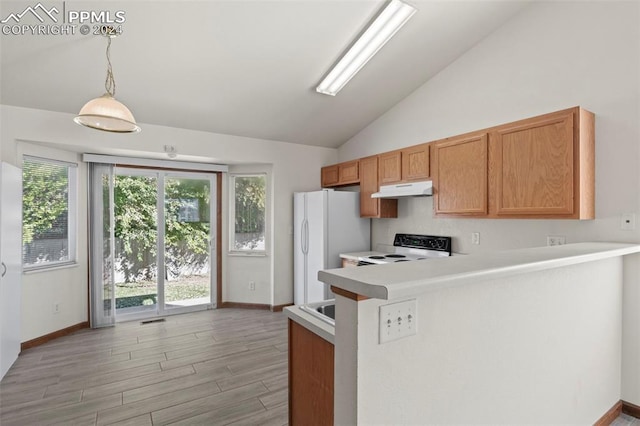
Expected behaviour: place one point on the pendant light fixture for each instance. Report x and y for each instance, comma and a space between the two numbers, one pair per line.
106, 113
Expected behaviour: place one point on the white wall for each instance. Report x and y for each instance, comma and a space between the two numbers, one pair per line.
553, 55
538, 348
294, 168
240, 269
631, 330
66, 286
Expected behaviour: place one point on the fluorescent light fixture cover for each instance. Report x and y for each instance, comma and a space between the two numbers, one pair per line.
392, 18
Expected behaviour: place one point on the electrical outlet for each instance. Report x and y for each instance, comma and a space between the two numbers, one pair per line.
252, 285
475, 238
628, 221
56, 307
556, 240
398, 320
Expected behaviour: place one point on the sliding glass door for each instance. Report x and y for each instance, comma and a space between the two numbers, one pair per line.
188, 242
154, 233
136, 240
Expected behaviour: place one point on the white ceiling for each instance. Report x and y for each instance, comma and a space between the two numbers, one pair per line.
246, 68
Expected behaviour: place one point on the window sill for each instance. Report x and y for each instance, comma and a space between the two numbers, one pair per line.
246, 254
37, 270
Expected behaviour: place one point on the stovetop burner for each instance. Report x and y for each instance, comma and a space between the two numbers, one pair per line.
408, 247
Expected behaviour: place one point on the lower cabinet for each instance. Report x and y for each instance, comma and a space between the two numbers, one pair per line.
310, 377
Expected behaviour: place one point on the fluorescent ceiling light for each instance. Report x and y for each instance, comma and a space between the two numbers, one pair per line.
392, 18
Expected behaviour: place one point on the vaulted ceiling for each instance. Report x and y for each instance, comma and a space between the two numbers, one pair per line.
246, 68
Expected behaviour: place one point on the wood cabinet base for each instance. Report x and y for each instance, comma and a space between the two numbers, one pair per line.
311, 367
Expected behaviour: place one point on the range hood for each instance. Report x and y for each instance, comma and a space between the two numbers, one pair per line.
412, 189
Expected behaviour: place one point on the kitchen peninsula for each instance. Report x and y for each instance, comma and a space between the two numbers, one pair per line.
538, 335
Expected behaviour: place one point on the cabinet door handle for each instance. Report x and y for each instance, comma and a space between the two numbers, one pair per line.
4, 269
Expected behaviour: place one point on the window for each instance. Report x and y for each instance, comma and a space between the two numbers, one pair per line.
248, 196
48, 213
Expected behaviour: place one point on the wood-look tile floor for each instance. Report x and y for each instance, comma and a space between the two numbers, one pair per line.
219, 367
226, 366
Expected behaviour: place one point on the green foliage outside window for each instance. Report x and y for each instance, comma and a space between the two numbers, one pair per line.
250, 196
186, 242
45, 212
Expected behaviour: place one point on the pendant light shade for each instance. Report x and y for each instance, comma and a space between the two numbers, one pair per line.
106, 113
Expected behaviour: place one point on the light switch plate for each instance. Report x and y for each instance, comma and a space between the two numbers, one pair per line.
398, 320
556, 240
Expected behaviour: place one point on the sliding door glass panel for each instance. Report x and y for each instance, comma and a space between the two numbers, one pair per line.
136, 243
187, 241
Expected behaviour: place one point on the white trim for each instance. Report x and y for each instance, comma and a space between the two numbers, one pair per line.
49, 267
43, 160
149, 162
247, 253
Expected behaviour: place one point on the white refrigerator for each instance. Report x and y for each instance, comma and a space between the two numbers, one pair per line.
326, 223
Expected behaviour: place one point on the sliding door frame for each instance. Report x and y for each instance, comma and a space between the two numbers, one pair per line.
215, 246
213, 239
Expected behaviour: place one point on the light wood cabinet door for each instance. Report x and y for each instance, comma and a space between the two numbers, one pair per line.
311, 383
390, 168
460, 176
534, 163
415, 163
348, 173
373, 207
342, 174
329, 176
368, 185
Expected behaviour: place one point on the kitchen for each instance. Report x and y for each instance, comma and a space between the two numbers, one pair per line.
537, 74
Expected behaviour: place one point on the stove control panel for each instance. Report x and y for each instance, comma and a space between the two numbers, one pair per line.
424, 242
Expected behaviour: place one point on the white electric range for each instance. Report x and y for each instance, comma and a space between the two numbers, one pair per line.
410, 247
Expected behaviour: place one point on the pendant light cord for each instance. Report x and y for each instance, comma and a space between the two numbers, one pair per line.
110, 82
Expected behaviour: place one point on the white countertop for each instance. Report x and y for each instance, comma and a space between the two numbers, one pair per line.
311, 323
406, 279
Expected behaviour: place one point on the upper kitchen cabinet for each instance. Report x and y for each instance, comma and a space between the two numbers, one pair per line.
404, 165
342, 174
544, 166
540, 167
373, 207
390, 167
415, 162
460, 177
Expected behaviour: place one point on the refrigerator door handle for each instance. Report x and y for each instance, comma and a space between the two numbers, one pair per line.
305, 237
